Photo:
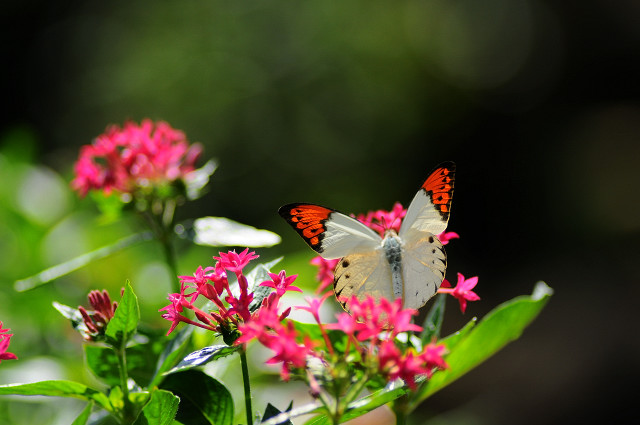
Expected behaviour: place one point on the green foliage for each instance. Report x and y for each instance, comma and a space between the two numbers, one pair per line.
161, 409
204, 356
203, 400
433, 322
58, 389
125, 320
502, 325
84, 415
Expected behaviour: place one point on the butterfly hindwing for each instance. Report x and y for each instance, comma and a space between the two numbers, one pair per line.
429, 210
362, 275
424, 263
329, 232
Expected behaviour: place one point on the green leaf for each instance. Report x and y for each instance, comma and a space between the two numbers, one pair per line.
103, 362
203, 400
364, 405
76, 263
173, 352
204, 356
433, 321
125, 319
500, 326
141, 360
160, 410
84, 415
452, 340
58, 389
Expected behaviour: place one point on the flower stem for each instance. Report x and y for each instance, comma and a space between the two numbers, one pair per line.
401, 409
247, 386
127, 412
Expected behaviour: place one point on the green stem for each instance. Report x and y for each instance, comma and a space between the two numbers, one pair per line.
170, 257
401, 409
247, 386
127, 413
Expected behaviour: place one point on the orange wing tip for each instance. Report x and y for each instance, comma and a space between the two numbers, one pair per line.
308, 220
439, 187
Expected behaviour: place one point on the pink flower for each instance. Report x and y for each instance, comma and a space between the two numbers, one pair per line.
369, 318
102, 312
463, 290
325, 272
314, 306
235, 262
287, 350
445, 237
381, 220
5, 339
281, 283
136, 156
409, 365
201, 277
432, 355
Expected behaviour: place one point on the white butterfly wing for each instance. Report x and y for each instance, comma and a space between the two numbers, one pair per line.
328, 232
429, 209
424, 263
363, 275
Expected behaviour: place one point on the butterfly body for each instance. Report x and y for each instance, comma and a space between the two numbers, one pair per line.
409, 264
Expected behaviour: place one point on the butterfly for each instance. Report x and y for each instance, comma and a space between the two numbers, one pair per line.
409, 264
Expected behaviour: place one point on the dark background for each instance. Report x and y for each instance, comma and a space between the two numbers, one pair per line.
350, 105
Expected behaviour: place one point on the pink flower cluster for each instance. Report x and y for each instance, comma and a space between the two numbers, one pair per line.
380, 221
233, 310
371, 329
378, 323
5, 339
96, 320
135, 156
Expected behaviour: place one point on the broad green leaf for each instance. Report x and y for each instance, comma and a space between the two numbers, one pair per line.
125, 319
161, 409
221, 231
500, 326
433, 321
84, 415
204, 356
203, 400
452, 340
173, 352
103, 362
76, 263
58, 389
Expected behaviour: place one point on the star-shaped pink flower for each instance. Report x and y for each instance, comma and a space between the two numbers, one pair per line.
463, 290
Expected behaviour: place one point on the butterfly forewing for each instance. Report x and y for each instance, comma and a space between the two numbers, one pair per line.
329, 232
429, 210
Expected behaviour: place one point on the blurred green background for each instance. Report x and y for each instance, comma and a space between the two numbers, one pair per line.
347, 104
